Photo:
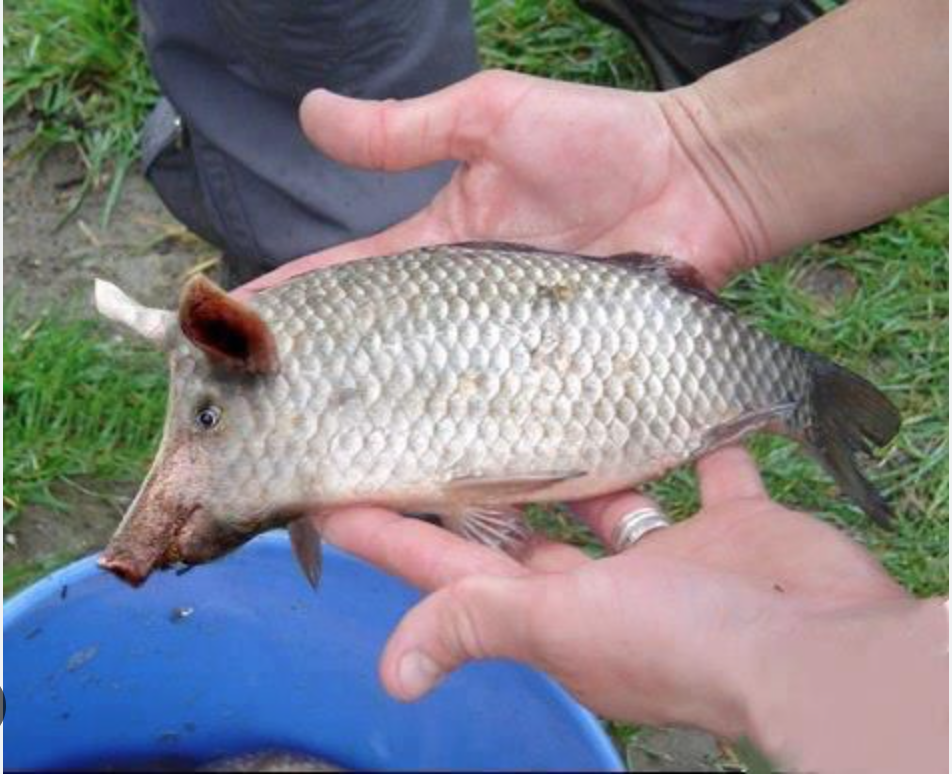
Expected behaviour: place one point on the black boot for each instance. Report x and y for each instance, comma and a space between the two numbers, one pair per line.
681, 47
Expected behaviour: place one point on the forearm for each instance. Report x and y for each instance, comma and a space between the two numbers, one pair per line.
854, 691
828, 130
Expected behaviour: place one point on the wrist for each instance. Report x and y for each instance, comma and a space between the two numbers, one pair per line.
804, 140
713, 148
700, 228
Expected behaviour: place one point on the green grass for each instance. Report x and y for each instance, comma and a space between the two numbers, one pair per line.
895, 331
556, 40
75, 404
74, 69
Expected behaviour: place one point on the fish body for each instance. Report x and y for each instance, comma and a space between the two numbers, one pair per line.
464, 380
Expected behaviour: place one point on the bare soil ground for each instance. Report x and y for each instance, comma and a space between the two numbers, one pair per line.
143, 249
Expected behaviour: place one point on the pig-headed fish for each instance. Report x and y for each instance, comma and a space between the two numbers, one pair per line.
461, 380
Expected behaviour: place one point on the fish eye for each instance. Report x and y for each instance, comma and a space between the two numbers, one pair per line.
208, 417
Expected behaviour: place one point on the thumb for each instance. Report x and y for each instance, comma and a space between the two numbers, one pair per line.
393, 135
479, 617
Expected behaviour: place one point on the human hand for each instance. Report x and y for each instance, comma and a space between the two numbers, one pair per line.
551, 164
662, 633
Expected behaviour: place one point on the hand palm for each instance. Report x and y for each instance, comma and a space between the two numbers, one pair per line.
561, 189
704, 579
545, 163
788, 551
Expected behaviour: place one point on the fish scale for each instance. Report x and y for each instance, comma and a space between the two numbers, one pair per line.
463, 379
476, 388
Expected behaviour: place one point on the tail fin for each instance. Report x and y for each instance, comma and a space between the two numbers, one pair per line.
850, 416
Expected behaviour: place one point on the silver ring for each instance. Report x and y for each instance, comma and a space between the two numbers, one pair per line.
633, 526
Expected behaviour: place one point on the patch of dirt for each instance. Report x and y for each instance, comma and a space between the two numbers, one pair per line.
829, 285
42, 535
143, 249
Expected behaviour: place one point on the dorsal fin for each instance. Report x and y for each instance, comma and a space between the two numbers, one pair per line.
506, 247
681, 274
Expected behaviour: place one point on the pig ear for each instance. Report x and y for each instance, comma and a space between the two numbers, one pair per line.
228, 331
155, 325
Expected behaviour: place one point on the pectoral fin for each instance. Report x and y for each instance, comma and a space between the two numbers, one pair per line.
502, 527
306, 542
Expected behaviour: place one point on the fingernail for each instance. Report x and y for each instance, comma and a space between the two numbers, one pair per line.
418, 673
326, 94
317, 94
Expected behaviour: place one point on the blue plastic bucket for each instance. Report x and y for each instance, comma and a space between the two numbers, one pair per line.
242, 656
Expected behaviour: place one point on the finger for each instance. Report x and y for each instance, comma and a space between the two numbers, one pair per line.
417, 231
480, 617
729, 474
426, 556
602, 514
396, 135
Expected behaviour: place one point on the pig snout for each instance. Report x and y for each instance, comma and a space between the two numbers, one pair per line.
133, 570
148, 542
147, 535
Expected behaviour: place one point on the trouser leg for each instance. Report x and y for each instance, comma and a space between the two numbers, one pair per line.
237, 169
